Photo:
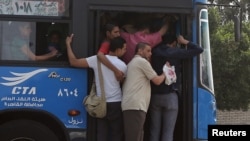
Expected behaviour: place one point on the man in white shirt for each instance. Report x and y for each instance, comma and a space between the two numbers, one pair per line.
113, 120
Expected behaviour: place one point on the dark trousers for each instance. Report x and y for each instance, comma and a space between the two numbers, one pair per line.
110, 128
133, 124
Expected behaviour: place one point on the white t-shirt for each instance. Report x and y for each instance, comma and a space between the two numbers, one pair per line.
112, 87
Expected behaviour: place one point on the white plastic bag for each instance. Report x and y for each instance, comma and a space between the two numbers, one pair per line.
170, 74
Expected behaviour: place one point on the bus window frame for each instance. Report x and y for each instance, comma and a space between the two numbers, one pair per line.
36, 19
208, 55
36, 63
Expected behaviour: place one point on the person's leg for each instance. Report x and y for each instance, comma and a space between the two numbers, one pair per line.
133, 124
102, 129
116, 121
170, 113
155, 118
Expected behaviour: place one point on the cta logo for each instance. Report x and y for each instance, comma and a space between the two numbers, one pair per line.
24, 90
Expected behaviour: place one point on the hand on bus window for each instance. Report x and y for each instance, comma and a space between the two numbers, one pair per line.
181, 40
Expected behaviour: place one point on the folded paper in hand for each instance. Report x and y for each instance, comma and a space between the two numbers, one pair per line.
170, 74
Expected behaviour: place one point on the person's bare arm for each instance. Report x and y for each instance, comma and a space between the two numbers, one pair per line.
118, 74
158, 79
163, 29
181, 40
81, 62
25, 49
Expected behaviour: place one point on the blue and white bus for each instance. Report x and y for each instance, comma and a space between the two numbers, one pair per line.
42, 100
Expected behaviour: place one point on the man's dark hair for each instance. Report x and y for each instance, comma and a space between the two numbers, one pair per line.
116, 43
107, 27
140, 45
110, 26
168, 38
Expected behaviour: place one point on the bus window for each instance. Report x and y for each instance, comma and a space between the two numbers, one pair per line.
206, 66
31, 41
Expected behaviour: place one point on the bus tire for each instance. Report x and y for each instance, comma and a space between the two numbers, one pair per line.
26, 130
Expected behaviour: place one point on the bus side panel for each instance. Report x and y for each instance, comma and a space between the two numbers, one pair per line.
56, 90
206, 110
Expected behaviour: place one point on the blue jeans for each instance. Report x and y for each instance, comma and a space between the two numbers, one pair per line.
163, 111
